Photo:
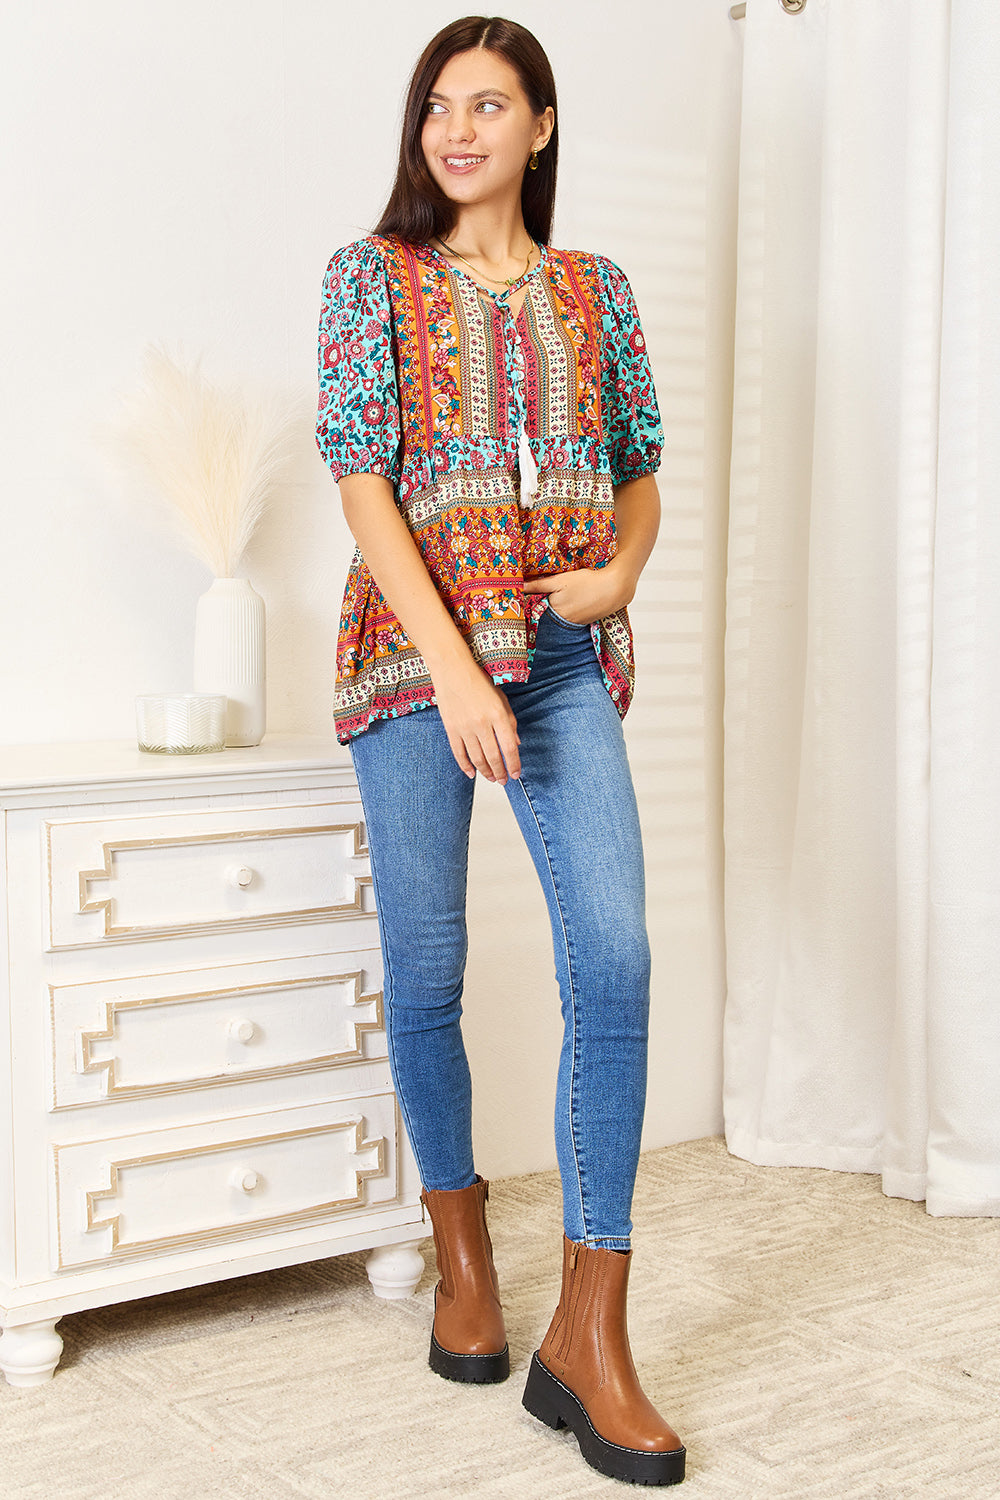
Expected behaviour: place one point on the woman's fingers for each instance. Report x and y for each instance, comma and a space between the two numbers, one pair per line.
509, 742
493, 751
578, 594
500, 763
490, 749
458, 750
481, 727
474, 754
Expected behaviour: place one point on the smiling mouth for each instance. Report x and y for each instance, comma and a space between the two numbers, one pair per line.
462, 163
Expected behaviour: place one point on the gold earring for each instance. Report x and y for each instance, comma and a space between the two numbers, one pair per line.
533, 161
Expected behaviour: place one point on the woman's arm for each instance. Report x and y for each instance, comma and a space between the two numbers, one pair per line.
478, 720
587, 594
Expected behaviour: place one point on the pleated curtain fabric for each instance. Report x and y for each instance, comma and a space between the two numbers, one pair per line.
862, 715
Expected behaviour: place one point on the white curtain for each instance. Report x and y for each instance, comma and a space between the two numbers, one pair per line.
862, 759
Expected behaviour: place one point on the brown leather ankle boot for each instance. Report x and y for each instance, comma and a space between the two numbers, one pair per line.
583, 1377
468, 1341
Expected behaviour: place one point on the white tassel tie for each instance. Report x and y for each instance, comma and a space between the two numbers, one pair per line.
528, 469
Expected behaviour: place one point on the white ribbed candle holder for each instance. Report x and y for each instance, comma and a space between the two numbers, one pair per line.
180, 723
229, 655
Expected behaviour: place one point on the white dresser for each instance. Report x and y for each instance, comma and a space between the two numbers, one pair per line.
193, 1073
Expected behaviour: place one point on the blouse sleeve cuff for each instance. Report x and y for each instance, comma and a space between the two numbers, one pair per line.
340, 468
646, 462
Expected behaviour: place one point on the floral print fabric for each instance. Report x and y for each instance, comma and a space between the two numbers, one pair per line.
427, 379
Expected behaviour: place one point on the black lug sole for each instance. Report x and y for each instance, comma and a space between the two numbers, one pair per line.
478, 1369
554, 1404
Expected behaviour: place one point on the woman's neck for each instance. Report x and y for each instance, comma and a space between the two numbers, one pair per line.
494, 237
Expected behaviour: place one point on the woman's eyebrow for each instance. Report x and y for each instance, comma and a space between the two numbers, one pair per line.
482, 94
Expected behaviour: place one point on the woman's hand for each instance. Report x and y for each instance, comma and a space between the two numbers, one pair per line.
479, 722
583, 595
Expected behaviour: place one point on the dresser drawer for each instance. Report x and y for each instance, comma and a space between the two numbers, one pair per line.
193, 1184
209, 870
159, 1034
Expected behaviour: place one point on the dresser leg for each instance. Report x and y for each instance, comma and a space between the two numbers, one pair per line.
394, 1270
30, 1352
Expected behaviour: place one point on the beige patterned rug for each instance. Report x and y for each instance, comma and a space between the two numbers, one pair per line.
808, 1338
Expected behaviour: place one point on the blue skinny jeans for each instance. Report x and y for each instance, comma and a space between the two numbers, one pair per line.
575, 806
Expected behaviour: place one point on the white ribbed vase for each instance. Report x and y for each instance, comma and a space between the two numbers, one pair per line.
229, 655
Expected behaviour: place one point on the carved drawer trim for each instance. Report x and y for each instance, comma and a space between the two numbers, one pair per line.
235, 1179
207, 870
160, 1034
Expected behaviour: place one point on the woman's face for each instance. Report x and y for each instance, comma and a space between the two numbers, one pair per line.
479, 129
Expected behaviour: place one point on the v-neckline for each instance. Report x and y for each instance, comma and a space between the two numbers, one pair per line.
504, 296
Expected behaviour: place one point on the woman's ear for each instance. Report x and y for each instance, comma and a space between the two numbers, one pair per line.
546, 125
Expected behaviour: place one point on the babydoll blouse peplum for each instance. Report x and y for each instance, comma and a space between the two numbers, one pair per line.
427, 379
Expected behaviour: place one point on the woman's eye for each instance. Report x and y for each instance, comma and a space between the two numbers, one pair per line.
434, 108
488, 104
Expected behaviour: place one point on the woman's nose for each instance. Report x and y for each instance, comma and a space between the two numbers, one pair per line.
460, 127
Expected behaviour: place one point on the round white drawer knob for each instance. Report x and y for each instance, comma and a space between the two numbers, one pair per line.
242, 1031
241, 876
246, 1179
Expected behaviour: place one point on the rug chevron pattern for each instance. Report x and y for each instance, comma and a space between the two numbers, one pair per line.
810, 1339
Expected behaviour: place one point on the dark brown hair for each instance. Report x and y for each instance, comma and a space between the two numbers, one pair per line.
418, 209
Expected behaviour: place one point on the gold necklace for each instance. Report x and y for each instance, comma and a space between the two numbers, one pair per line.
508, 281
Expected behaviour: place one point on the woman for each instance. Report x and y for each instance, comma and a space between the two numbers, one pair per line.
487, 409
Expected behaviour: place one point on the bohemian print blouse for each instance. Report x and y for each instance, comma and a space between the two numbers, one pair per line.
427, 379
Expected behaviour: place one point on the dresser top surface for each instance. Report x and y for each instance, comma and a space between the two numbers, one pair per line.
33, 767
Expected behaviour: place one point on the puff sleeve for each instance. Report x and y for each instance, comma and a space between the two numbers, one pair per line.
633, 435
358, 423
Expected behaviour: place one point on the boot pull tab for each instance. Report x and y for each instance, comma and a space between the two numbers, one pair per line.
572, 1254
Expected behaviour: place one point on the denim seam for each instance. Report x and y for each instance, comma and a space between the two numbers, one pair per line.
572, 1000
387, 976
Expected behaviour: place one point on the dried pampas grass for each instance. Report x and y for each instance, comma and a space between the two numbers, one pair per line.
215, 455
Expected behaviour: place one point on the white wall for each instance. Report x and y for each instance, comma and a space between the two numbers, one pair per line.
182, 173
